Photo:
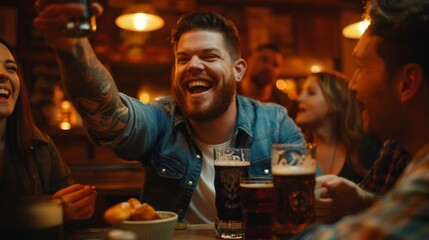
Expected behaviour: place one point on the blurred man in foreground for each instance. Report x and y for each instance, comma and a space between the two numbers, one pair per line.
392, 85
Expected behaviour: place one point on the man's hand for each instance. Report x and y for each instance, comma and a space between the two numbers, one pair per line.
52, 18
337, 197
323, 205
78, 201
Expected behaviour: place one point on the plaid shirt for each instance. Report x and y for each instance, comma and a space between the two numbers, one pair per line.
403, 213
390, 164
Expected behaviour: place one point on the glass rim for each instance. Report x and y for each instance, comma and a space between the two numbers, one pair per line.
256, 179
230, 148
289, 144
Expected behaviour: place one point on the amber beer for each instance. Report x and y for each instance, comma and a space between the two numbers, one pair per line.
257, 207
293, 200
294, 178
42, 219
230, 166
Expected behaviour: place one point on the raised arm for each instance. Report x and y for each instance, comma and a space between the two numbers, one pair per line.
87, 82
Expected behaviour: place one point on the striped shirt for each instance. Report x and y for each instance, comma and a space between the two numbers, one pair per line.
403, 213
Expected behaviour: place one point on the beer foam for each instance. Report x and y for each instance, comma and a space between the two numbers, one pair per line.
256, 185
292, 170
44, 215
231, 163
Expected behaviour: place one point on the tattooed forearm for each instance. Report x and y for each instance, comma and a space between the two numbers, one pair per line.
93, 91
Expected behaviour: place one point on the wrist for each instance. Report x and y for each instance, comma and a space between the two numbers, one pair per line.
368, 198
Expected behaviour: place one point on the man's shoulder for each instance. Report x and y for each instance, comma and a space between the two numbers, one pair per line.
168, 103
267, 121
253, 109
258, 105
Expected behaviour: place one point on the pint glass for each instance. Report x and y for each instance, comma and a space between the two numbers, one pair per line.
230, 166
294, 171
84, 26
257, 207
35, 218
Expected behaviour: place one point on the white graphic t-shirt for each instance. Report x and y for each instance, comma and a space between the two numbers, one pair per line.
202, 208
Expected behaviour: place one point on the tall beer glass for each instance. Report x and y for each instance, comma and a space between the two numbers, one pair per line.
294, 172
231, 165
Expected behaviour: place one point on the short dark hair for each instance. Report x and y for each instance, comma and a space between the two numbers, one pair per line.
270, 46
212, 22
403, 27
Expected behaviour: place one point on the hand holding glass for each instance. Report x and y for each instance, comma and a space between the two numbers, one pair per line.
83, 26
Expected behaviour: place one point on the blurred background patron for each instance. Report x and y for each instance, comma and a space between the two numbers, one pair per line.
329, 114
263, 71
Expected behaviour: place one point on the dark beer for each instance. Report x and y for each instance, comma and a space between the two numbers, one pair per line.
293, 200
227, 185
231, 164
257, 207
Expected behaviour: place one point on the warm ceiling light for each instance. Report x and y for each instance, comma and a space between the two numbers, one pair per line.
315, 68
140, 17
355, 30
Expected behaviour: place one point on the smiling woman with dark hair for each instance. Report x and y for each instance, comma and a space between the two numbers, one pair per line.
30, 164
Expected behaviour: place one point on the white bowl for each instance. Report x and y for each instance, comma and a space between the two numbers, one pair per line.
159, 229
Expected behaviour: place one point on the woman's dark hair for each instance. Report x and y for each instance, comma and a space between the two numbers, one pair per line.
212, 22
18, 172
403, 27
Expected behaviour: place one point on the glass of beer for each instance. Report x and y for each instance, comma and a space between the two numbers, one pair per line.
231, 164
257, 207
40, 218
294, 173
84, 26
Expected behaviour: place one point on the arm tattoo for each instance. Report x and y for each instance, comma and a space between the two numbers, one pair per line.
93, 91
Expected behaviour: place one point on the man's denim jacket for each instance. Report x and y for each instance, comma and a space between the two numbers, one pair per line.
159, 136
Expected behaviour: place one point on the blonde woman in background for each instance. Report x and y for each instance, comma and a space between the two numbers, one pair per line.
330, 117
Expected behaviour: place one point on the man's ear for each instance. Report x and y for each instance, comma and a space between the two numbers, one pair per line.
412, 77
239, 69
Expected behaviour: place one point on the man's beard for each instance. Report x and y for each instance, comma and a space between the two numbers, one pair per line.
218, 105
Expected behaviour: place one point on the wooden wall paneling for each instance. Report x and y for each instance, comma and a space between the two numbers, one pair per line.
318, 32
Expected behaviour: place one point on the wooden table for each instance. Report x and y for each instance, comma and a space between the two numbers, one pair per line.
193, 232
